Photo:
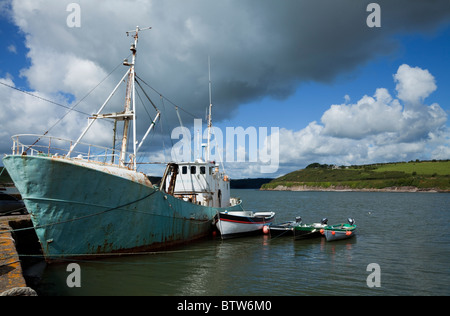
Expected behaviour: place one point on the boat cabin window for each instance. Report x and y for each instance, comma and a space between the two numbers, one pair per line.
195, 169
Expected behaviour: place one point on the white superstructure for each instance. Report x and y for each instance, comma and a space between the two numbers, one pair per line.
198, 182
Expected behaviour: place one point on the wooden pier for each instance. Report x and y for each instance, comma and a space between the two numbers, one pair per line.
12, 281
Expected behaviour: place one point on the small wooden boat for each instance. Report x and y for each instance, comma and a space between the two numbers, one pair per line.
340, 231
297, 229
239, 223
304, 231
284, 229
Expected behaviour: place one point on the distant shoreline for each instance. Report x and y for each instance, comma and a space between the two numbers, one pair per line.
414, 176
340, 188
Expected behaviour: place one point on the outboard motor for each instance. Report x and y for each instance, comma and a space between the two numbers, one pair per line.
298, 219
351, 221
324, 221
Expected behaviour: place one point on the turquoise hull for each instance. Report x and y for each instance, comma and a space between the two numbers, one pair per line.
82, 212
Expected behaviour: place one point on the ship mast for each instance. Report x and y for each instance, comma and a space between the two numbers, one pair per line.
210, 113
130, 114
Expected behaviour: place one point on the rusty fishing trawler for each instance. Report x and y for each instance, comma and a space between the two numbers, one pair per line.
87, 200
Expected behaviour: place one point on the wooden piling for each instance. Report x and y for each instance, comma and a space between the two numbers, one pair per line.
11, 274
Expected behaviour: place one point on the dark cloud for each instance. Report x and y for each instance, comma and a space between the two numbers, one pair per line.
266, 48
258, 48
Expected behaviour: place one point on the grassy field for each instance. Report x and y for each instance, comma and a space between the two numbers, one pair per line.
421, 168
422, 175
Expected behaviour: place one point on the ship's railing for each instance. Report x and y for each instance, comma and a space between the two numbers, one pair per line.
50, 146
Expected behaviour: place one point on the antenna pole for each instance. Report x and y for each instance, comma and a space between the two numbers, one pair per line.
130, 95
210, 112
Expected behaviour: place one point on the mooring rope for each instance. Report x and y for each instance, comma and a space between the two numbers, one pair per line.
19, 291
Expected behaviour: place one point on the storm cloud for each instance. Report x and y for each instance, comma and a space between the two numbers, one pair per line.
258, 48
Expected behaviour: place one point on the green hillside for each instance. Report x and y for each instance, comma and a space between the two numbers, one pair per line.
421, 168
422, 175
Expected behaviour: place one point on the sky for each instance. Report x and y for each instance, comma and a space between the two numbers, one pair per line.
337, 90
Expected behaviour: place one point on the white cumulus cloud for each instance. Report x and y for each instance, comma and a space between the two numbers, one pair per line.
377, 128
369, 116
414, 84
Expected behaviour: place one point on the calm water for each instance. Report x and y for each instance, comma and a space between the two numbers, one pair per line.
407, 234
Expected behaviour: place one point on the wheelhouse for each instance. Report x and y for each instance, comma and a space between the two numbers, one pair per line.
198, 182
